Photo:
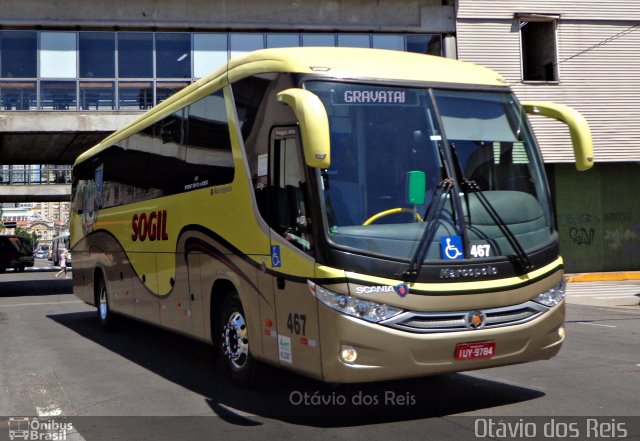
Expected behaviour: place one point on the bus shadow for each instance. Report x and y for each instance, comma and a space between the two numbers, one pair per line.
25, 288
289, 397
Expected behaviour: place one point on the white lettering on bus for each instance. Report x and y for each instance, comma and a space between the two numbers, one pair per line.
373, 289
374, 96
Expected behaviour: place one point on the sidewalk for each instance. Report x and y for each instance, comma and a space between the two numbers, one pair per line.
603, 277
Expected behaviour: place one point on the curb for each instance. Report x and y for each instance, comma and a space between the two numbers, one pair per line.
604, 277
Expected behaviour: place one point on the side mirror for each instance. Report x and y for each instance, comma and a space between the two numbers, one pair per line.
314, 125
578, 127
416, 187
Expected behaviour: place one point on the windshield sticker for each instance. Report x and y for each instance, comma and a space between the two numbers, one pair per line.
480, 250
451, 248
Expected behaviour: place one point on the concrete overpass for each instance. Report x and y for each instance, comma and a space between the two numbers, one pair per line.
51, 138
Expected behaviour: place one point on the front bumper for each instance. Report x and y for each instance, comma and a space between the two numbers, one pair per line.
385, 353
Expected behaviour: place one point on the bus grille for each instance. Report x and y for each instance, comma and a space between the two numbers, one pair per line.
433, 322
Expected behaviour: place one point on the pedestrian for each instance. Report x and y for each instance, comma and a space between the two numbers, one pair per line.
64, 255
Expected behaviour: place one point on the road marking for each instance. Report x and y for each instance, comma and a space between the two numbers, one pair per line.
40, 304
596, 324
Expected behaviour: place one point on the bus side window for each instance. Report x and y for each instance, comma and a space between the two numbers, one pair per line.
289, 216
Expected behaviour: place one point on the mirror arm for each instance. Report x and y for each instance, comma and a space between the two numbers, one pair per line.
578, 128
314, 125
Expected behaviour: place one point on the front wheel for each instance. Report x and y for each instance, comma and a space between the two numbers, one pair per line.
234, 342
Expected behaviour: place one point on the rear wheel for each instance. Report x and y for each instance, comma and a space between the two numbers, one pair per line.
234, 341
105, 316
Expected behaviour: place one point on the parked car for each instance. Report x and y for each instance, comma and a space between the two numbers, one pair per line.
42, 252
15, 252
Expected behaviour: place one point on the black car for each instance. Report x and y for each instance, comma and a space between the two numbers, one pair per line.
15, 252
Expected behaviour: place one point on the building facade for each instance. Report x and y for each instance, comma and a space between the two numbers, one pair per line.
583, 53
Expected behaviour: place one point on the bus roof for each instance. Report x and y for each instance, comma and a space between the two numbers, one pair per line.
361, 63
332, 62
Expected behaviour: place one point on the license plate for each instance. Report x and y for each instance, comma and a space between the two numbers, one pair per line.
468, 351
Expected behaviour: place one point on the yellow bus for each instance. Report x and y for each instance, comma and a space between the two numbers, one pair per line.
350, 214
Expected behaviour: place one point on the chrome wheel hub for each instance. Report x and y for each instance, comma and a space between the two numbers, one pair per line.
103, 304
235, 340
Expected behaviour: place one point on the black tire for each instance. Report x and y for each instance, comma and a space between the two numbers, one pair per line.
104, 314
20, 269
233, 336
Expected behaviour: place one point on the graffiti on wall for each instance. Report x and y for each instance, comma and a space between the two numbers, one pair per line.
582, 228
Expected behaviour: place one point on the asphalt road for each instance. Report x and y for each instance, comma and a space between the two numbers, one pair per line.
143, 383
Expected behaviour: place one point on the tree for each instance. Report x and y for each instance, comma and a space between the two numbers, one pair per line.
32, 237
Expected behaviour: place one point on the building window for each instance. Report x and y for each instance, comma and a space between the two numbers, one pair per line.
538, 49
173, 55
18, 54
135, 55
209, 53
391, 42
283, 40
425, 44
318, 40
354, 40
243, 43
58, 55
97, 54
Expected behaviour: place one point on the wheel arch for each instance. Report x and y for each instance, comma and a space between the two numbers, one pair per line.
221, 289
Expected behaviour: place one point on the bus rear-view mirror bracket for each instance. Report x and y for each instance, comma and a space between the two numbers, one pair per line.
578, 128
314, 125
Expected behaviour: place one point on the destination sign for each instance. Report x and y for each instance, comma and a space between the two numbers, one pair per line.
374, 96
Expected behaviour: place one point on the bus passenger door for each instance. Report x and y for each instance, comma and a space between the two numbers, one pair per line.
291, 255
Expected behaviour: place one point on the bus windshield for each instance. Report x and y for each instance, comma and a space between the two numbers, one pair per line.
382, 137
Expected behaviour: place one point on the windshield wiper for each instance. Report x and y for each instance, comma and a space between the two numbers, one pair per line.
473, 187
433, 214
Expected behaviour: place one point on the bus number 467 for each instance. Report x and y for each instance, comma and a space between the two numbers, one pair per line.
297, 323
480, 250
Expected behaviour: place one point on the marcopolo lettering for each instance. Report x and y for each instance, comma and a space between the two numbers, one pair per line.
152, 226
461, 273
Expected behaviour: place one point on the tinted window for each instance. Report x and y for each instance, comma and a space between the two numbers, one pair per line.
18, 51
135, 55
173, 55
172, 156
97, 54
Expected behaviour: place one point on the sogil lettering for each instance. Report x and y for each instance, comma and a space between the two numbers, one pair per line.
152, 226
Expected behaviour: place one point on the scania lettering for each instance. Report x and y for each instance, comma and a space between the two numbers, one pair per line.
352, 215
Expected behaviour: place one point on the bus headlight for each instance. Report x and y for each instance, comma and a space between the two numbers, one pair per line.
552, 296
363, 309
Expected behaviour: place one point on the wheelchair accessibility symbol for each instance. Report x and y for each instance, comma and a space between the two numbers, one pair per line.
451, 248
276, 262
